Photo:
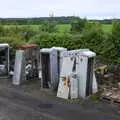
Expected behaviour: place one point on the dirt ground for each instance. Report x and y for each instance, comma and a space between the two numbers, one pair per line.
29, 102
109, 84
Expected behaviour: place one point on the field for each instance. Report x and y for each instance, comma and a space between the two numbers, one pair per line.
62, 28
107, 27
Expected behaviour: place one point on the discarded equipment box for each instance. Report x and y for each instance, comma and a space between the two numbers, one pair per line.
51, 65
77, 78
30, 60
4, 59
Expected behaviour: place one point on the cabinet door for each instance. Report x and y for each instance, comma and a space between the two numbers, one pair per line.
66, 70
81, 70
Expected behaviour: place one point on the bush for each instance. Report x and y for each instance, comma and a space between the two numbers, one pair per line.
13, 41
108, 50
65, 40
116, 41
93, 37
49, 27
78, 26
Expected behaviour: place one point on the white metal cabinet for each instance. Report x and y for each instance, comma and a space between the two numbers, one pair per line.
81, 63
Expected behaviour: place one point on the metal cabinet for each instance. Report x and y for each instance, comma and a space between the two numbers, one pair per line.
51, 66
4, 59
77, 63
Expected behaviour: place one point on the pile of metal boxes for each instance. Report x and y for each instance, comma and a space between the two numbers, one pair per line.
77, 78
4, 59
70, 73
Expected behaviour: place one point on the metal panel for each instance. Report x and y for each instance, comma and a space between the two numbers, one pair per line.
74, 85
81, 70
54, 69
4, 45
82, 52
63, 89
94, 85
19, 68
58, 62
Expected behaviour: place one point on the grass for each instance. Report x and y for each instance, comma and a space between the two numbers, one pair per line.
107, 27
34, 27
62, 28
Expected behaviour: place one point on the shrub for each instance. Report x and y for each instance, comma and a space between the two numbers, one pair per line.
65, 40
49, 27
78, 26
93, 37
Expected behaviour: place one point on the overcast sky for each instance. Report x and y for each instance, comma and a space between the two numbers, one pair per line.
41, 8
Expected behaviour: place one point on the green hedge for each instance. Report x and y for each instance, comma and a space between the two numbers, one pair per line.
95, 41
65, 40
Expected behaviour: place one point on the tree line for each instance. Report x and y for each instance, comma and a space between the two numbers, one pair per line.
40, 20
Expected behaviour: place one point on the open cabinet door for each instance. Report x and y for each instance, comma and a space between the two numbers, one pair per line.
66, 70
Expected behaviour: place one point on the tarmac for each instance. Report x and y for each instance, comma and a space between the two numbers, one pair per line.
29, 102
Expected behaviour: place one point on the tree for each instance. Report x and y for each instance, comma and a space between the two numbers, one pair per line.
48, 27
93, 36
78, 26
116, 40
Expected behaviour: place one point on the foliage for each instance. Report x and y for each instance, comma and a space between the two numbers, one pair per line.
48, 27
108, 49
40, 20
15, 35
12, 41
61, 28
78, 26
37, 21
116, 40
90, 35
65, 40
93, 36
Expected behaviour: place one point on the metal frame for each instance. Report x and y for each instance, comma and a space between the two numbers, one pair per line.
55, 65
5, 45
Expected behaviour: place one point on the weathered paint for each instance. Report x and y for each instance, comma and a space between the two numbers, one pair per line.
76, 62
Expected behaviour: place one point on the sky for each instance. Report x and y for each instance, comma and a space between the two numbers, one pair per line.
92, 9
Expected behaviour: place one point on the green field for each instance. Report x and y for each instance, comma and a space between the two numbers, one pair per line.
107, 27
62, 28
